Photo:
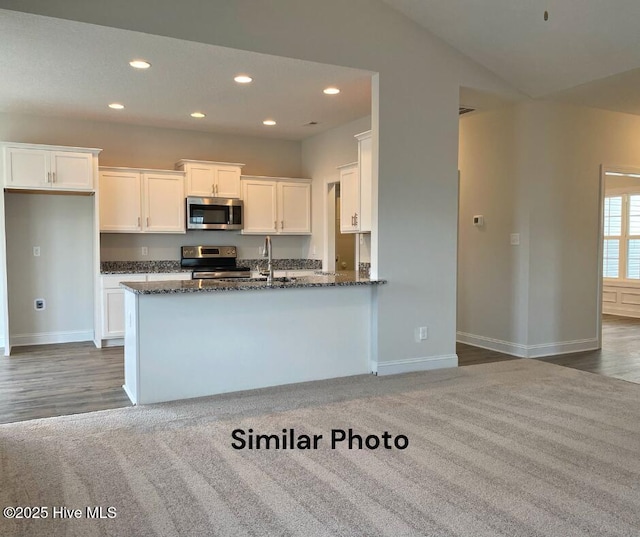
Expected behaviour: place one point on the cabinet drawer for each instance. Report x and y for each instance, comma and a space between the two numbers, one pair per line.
112, 281
168, 276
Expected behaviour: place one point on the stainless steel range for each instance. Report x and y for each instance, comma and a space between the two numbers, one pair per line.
213, 262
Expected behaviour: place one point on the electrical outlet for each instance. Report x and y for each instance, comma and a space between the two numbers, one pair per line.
36, 251
39, 304
144, 250
421, 333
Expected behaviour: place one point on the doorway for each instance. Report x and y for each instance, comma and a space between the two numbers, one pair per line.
345, 243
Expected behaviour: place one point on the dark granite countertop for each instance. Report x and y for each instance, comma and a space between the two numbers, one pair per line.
168, 266
339, 279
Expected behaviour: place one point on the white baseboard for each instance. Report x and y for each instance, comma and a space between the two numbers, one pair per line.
45, 338
117, 342
528, 351
417, 364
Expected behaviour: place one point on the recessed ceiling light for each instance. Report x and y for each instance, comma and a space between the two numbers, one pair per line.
243, 79
198, 115
331, 91
140, 64
116, 106
269, 122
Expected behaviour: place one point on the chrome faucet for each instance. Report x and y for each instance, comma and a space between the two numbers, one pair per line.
268, 254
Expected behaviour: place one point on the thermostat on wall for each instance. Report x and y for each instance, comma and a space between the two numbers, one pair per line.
478, 220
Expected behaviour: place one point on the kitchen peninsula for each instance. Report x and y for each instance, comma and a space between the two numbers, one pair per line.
194, 338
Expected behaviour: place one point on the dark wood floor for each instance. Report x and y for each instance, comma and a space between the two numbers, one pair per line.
618, 358
56, 380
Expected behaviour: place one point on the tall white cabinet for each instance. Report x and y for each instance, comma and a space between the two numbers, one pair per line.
276, 205
355, 189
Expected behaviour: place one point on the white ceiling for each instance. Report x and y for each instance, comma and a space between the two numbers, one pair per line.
57, 67
583, 42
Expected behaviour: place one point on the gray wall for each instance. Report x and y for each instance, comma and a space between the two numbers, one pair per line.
534, 168
415, 123
62, 275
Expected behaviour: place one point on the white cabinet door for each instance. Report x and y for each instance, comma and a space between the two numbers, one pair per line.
113, 313
164, 203
168, 276
27, 168
71, 170
227, 182
349, 199
211, 179
365, 161
294, 208
120, 207
260, 206
201, 180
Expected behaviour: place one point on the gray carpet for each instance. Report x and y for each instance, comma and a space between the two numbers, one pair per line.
517, 448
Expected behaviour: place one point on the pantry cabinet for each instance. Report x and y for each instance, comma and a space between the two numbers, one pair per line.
356, 188
141, 201
211, 179
38, 167
276, 205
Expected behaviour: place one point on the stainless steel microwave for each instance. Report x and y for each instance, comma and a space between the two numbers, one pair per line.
214, 213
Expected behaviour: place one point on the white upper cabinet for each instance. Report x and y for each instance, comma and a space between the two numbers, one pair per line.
120, 201
276, 206
50, 167
163, 202
141, 201
294, 207
260, 206
355, 189
211, 179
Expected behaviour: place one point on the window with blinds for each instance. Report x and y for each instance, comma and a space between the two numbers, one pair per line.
621, 249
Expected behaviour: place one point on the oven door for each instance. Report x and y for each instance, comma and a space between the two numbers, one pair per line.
214, 213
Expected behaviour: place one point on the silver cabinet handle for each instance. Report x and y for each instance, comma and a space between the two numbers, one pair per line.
147, 221
355, 216
48, 177
213, 189
53, 175
282, 225
275, 225
138, 221
352, 222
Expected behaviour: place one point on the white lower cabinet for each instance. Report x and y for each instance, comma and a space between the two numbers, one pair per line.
113, 298
276, 206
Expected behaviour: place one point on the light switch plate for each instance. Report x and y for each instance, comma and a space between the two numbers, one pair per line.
515, 239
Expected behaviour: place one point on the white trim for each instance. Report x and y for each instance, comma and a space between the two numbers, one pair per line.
416, 364
528, 351
131, 398
44, 338
113, 342
498, 345
562, 347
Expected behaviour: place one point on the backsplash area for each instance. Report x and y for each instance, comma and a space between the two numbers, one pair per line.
163, 247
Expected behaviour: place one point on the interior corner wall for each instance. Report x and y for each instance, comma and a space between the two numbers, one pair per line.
492, 278
542, 181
